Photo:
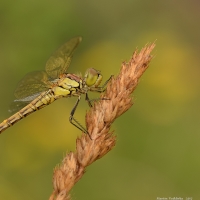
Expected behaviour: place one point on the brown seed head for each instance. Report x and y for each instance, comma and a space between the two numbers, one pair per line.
99, 120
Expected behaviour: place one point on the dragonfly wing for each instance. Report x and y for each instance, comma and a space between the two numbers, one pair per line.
60, 60
29, 88
18, 104
33, 83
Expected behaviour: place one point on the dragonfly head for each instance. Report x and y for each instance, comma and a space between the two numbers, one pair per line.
92, 77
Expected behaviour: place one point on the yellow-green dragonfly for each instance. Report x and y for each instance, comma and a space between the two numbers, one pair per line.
39, 89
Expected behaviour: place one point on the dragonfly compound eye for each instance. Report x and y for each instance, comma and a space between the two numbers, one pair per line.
93, 77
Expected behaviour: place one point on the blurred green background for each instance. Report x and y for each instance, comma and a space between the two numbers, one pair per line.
158, 139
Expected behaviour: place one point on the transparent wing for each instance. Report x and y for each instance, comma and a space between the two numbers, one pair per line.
59, 61
18, 104
29, 88
33, 83
15, 106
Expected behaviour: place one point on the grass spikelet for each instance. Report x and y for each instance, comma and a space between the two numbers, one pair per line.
98, 121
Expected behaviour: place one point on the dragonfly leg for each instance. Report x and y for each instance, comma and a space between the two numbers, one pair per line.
92, 100
97, 89
88, 100
102, 88
74, 121
105, 84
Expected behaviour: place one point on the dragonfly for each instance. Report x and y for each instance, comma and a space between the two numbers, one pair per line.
41, 88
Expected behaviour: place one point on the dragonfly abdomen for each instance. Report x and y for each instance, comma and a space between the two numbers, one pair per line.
41, 101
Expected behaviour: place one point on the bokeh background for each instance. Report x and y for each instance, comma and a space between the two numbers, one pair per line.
158, 139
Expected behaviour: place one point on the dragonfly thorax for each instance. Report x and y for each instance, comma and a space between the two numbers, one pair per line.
70, 81
92, 78
67, 85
